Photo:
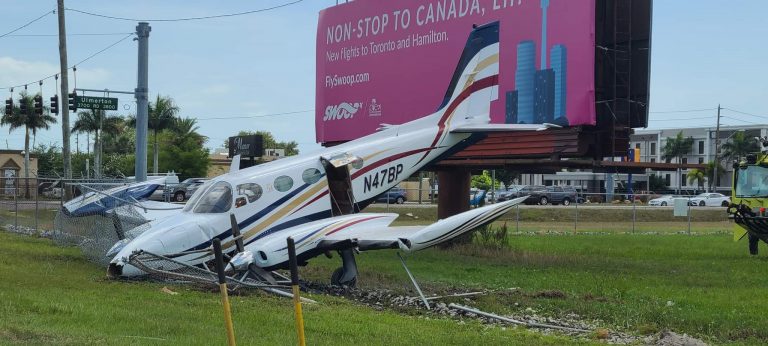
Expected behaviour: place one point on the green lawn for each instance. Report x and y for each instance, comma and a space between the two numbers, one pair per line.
707, 286
52, 295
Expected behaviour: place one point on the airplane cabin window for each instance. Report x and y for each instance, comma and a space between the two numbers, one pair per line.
251, 190
283, 183
357, 164
218, 199
311, 175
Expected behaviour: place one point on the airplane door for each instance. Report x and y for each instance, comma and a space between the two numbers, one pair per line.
340, 185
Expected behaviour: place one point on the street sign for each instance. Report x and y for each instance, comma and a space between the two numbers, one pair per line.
92, 102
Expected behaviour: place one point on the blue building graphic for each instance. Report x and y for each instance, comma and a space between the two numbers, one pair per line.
559, 60
539, 95
526, 69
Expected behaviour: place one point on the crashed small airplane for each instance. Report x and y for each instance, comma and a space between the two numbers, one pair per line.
317, 199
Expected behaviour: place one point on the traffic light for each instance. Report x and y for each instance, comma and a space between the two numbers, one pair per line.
23, 106
72, 104
9, 105
39, 104
55, 104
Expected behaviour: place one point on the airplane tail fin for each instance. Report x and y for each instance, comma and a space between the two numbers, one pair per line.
475, 81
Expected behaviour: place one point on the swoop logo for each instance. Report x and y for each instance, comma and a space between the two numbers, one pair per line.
344, 110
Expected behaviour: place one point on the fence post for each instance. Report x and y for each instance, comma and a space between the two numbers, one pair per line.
689, 216
37, 194
576, 217
634, 214
16, 205
517, 218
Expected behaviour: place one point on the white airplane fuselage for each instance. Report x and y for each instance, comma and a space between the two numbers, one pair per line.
280, 195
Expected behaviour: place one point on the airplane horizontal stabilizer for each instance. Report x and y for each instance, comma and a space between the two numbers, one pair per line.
471, 128
454, 226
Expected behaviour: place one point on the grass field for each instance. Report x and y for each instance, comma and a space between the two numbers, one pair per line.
52, 295
705, 285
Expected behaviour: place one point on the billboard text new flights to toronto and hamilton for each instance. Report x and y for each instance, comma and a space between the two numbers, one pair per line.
391, 61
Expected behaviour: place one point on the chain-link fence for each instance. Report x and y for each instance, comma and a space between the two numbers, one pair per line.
577, 212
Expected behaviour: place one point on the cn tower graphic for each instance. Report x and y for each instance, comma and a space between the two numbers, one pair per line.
539, 95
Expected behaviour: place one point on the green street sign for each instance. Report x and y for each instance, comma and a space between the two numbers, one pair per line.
91, 102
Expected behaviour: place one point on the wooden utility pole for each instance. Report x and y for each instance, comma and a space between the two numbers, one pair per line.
717, 148
64, 106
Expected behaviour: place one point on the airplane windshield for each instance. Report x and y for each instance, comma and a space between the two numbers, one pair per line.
196, 196
752, 181
217, 199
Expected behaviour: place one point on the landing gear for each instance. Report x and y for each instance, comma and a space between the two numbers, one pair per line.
753, 241
347, 274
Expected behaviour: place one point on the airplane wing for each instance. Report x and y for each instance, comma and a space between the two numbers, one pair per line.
370, 231
470, 128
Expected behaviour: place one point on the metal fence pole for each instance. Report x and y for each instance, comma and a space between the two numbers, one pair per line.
517, 219
689, 217
16, 205
576, 216
37, 195
634, 213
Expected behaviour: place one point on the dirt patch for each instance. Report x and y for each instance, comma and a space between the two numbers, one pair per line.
550, 294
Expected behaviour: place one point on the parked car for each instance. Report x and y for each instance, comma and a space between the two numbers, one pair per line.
710, 199
564, 195
186, 188
395, 194
536, 194
164, 192
662, 201
509, 193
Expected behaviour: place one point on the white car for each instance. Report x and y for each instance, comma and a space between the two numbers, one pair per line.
663, 201
710, 199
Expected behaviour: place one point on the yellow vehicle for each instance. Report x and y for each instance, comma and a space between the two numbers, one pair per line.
749, 199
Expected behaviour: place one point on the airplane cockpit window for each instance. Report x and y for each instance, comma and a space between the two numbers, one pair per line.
283, 183
196, 196
251, 190
311, 175
218, 199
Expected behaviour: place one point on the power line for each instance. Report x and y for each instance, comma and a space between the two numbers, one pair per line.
685, 111
76, 34
28, 23
676, 119
257, 116
78, 63
185, 19
737, 119
745, 113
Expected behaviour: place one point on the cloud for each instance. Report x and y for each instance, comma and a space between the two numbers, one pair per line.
16, 72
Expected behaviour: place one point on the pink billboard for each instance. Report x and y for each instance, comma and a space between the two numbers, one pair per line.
391, 61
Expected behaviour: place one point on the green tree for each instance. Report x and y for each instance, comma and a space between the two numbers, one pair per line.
49, 160
506, 176
696, 176
484, 181
162, 115
187, 128
677, 147
291, 147
709, 171
739, 145
97, 122
656, 183
31, 122
184, 156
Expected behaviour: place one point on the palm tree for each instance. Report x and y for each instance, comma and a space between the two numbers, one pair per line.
162, 114
677, 147
187, 128
696, 175
31, 123
739, 145
709, 171
98, 122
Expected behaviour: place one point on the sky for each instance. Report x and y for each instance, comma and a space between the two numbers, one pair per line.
247, 69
